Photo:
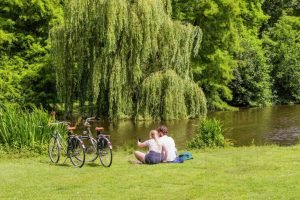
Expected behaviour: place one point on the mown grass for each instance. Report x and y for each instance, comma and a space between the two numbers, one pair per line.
268, 172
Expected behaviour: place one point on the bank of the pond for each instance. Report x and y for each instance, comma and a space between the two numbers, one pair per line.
268, 172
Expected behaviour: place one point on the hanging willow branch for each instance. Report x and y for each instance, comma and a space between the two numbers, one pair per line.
107, 48
165, 95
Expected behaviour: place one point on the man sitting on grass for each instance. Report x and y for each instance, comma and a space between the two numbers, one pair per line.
169, 152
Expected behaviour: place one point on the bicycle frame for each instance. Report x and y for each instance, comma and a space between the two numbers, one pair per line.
98, 143
90, 134
67, 147
61, 142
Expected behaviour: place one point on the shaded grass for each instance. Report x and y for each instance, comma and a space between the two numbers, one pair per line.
268, 172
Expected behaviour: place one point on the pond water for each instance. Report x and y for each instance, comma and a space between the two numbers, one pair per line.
272, 125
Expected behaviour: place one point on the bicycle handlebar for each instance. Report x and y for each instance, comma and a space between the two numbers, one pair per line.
86, 123
57, 123
90, 119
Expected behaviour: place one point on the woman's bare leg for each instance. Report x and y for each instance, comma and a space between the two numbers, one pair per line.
140, 156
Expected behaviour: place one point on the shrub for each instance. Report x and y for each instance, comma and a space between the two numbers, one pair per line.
208, 134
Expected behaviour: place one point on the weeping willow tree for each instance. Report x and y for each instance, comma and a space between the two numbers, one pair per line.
127, 58
167, 95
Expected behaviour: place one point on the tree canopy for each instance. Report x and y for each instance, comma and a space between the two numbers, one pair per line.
149, 59
282, 45
24, 50
127, 58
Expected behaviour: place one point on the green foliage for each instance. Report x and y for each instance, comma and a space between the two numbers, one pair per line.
213, 68
273, 8
230, 52
9, 86
165, 95
282, 44
208, 134
185, 10
40, 85
106, 54
219, 21
105, 50
22, 129
277, 8
253, 16
252, 84
24, 49
293, 8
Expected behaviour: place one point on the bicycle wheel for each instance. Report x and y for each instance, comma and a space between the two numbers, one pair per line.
76, 152
91, 150
54, 150
105, 151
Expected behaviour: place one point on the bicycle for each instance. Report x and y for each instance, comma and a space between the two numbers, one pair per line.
100, 147
73, 147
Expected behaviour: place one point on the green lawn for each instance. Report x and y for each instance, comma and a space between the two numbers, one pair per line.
268, 172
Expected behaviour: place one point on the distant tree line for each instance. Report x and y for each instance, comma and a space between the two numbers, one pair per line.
250, 50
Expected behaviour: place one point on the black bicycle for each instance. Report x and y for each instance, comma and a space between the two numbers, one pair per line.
100, 147
73, 147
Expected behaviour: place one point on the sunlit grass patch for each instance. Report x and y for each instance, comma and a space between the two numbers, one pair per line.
268, 172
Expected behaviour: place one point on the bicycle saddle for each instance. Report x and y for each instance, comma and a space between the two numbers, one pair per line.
99, 129
71, 128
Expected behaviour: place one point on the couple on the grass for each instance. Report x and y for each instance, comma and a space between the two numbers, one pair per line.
161, 147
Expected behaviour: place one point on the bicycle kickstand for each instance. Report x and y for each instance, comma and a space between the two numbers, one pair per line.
65, 160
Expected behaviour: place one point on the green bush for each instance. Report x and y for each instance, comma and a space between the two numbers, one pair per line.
208, 134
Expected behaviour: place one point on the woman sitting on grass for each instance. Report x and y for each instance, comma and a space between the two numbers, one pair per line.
155, 149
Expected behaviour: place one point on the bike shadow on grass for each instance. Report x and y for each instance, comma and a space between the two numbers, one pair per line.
91, 164
56, 164
70, 165
66, 164
61, 164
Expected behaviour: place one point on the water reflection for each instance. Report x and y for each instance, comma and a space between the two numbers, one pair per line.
271, 125
259, 126
126, 133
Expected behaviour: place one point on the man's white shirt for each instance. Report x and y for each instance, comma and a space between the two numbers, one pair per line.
169, 144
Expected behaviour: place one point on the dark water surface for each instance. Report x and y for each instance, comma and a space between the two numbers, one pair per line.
272, 125
259, 126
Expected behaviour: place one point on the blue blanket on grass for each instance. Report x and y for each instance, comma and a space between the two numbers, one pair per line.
182, 157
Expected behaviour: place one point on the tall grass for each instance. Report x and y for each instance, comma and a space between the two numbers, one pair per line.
208, 134
23, 128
